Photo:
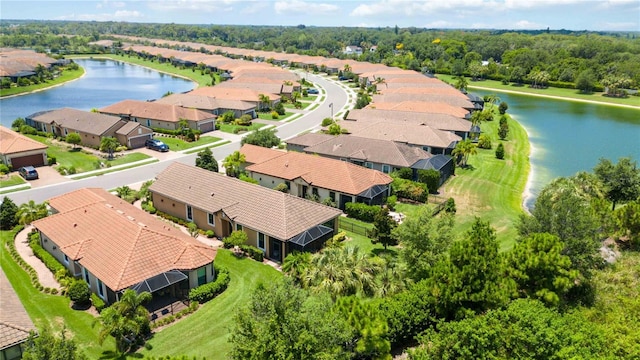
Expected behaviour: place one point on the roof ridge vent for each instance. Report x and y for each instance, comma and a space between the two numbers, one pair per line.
131, 218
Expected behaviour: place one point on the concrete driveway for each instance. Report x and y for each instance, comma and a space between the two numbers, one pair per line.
47, 175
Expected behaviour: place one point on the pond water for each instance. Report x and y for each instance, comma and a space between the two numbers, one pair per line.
567, 137
105, 82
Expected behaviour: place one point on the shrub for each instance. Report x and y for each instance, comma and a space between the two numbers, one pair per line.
28, 130
484, 142
49, 261
244, 120
275, 115
97, 302
404, 173
79, 292
210, 234
148, 207
17, 123
391, 202
253, 252
430, 177
51, 160
410, 190
361, 211
327, 121
341, 236
328, 202
279, 108
71, 170
502, 108
282, 187
206, 292
4, 169
500, 152
450, 206
237, 238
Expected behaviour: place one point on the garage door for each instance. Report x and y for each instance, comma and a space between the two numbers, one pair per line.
206, 127
138, 142
29, 160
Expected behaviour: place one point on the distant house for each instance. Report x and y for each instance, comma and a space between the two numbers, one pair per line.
352, 50
242, 94
159, 115
115, 246
15, 323
275, 222
17, 150
91, 126
322, 178
211, 104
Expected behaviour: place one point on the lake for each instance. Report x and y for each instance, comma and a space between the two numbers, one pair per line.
105, 82
568, 137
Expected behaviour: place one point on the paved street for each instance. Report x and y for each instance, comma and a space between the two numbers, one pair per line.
335, 94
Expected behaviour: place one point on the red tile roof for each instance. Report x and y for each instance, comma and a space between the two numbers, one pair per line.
12, 142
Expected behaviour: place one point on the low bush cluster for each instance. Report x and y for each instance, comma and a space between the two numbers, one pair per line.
97, 302
253, 252
431, 177
206, 292
411, 190
361, 211
193, 306
49, 261
172, 218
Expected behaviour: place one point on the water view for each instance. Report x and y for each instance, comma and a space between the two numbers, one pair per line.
567, 137
105, 82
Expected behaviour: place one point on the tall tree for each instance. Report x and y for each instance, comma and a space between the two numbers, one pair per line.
368, 326
31, 211
295, 265
46, 346
264, 101
205, 160
262, 137
109, 144
126, 320
232, 163
461, 83
383, 224
8, 211
463, 150
621, 181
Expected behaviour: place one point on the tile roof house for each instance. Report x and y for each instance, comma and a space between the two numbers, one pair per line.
15, 323
456, 101
243, 94
115, 246
275, 222
421, 106
91, 126
159, 115
211, 104
314, 176
18, 150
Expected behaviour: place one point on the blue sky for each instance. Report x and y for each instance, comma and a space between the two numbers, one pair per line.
616, 15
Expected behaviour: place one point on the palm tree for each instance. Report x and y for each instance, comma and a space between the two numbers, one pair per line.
347, 68
109, 144
379, 81
296, 264
463, 149
31, 211
264, 101
232, 163
124, 191
125, 320
461, 83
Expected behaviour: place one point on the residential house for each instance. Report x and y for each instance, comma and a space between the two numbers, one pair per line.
211, 105
17, 150
159, 115
421, 106
352, 50
455, 101
115, 246
321, 178
275, 222
15, 324
242, 94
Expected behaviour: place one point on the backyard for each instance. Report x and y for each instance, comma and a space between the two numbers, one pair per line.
66, 75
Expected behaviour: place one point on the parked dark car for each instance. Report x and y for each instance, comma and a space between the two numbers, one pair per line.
312, 91
343, 78
28, 172
156, 145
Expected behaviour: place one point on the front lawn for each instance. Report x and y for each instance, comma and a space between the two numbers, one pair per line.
176, 144
205, 332
231, 129
52, 311
128, 158
11, 180
267, 116
303, 106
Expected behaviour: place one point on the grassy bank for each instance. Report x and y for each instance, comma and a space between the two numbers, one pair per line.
195, 76
65, 76
565, 94
52, 311
205, 333
490, 188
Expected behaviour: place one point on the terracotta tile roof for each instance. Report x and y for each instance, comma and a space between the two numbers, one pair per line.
156, 111
243, 94
83, 121
15, 323
413, 134
309, 139
271, 212
12, 142
435, 98
119, 243
331, 174
420, 106
444, 90
373, 150
437, 121
264, 88
256, 154
203, 102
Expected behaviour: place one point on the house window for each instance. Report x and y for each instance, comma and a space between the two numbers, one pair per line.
211, 219
148, 123
86, 276
100, 289
425, 148
189, 213
66, 259
314, 191
386, 169
332, 195
288, 185
140, 130
368, 165
238, 227
202, 276
261, 244
66, 132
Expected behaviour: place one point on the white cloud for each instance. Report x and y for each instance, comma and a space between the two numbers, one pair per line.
418, 8
112, 4
303, 7
527, 25
193, 5
120, 15
254, 8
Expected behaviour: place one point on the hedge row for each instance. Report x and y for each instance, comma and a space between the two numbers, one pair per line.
33, 275
253, 252
206, 292
49, 261
171, 318
411, 190
361, 211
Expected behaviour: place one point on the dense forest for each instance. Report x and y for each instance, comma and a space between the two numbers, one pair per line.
542, 58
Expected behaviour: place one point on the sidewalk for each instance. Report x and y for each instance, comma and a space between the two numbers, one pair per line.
45, 276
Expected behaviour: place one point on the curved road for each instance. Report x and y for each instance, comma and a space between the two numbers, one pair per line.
334, 94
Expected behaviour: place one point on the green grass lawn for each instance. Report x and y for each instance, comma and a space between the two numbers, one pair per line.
12, 180
176, 144
230, 128
303, 105
490, 188
310, 97
196, 76
410, 210
52, 311
129, 158
267, 116
551, 91
205, 332
66, 75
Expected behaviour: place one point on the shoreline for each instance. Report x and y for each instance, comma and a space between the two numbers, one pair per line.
526, 192
594, 102
84, 72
